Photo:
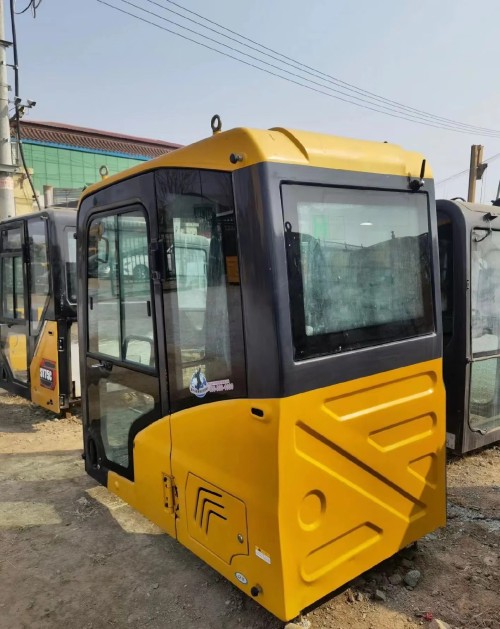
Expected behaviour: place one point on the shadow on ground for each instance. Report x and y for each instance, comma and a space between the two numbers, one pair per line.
18, 415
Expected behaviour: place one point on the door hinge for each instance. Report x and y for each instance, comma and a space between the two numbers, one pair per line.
169, 493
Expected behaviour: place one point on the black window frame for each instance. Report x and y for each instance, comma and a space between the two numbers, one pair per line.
485, 233
43, 219
446, 232
180, 397
13, 253
335, 343
66, 231
128, 208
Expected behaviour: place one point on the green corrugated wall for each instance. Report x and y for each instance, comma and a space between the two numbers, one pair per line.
67, 168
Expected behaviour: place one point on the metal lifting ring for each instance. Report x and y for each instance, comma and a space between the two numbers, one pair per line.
216, 123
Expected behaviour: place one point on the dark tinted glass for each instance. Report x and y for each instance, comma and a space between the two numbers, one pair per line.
71, 277
202, 290
445, 236
359, 267
11, 239
485, 292
39, 270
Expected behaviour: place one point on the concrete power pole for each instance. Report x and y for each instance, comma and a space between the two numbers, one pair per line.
7, 206
476, 170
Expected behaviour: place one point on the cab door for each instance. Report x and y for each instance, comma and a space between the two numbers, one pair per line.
125, 393
14, 328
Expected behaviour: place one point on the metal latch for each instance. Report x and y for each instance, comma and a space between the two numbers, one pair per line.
169, 493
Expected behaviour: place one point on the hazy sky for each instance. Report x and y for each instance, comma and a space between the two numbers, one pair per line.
88, 65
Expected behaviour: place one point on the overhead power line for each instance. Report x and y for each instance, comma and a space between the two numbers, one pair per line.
308, 69
463, 172
32, 4
387, 107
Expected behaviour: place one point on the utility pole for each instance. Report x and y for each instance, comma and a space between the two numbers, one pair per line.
476, 170
7, 205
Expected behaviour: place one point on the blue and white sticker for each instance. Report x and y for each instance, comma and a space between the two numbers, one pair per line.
199, 384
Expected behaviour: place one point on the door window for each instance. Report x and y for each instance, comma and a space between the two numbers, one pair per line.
11, 239
124, 398
445, 236
121, 368
485, 330
202, 289
120, 321
104, 304
71, 277
485, 291
12, 287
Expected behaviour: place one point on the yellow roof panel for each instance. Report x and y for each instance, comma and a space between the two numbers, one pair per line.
283, 146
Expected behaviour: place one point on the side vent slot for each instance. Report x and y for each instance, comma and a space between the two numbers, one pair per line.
216, 519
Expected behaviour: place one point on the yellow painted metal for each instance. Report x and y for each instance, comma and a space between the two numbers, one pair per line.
44, 369
366, 476
320, 488
286, 147
17, 356
147, 493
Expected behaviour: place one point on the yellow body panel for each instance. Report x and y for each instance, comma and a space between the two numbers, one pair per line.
299, 501
17, 352
44, 369
284, 146
152, 468
366, 463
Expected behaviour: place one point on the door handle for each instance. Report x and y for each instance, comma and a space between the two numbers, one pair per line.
103, 365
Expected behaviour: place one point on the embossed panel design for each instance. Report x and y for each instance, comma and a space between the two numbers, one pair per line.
216, 519
361, 475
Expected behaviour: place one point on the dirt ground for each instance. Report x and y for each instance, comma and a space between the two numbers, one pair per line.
73, 556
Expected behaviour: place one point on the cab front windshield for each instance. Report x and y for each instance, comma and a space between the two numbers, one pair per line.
485, 330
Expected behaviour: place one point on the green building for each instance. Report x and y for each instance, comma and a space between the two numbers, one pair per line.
64, 159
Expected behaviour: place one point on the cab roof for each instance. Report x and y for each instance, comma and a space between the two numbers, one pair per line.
481, 208
284, 146
57, 214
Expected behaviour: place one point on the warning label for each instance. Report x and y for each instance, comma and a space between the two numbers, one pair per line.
48, 374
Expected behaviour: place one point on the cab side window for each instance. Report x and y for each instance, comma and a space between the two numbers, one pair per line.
203, 313
39, 271
445, 236
120, 321
12, 283
121, 361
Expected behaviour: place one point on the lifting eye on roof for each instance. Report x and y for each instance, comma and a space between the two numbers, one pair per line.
489, 216
216, 124
103, 171
416, 184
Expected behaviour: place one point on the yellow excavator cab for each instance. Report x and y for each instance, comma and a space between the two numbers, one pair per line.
38, 329
261, 354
